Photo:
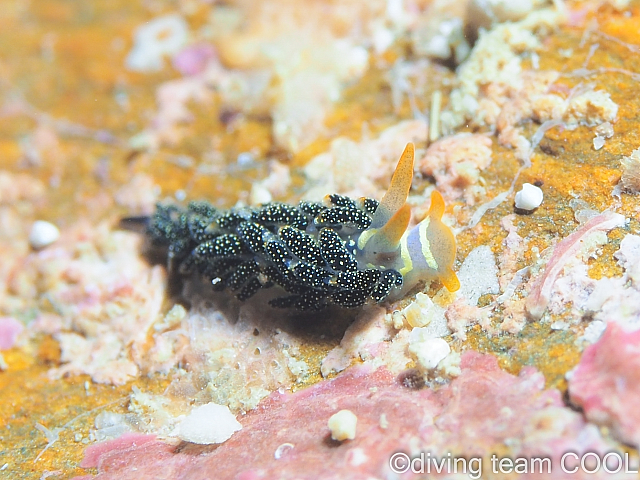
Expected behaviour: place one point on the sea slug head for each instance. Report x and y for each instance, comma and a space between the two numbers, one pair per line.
428, 250
422, 254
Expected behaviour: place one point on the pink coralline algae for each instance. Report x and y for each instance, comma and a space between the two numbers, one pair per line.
10, 328
483, 411
456, 163
193, 60
129, 449
606, 382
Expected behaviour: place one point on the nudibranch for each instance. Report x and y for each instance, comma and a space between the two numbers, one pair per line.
341, 251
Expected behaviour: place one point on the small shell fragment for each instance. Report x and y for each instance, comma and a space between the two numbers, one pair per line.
43, 234
529, 198
598, 142
282, 450
208, 424
343, 425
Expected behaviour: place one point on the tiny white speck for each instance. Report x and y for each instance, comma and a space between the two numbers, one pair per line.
180, 195
245, 159
43, 234
384, 423
535, 61
529, 198
559, 325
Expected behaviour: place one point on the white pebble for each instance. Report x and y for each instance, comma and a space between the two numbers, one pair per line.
343, 425
598, 142
529, 198
428, 352
207, 424
245, 159
43, 234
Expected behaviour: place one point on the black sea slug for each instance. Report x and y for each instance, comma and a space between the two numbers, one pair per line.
342, 251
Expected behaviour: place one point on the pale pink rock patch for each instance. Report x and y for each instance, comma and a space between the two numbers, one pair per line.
483, 411
606, 382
